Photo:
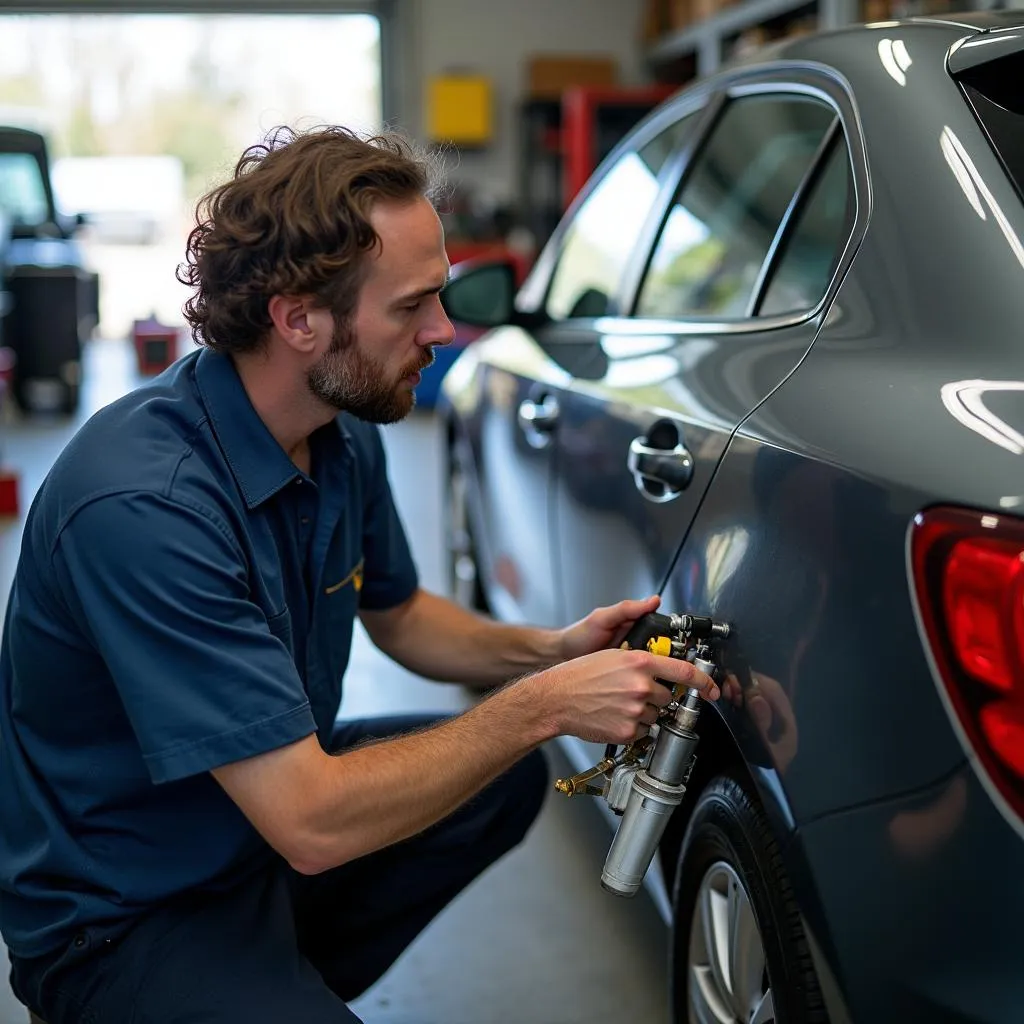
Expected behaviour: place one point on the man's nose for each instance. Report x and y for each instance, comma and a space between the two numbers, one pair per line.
440, 330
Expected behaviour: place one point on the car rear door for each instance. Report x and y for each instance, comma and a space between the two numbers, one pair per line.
650, 410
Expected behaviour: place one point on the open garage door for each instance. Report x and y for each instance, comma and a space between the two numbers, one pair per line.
145, 106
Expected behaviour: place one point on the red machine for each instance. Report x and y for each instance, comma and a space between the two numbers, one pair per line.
156, 345
9, 505
594, 120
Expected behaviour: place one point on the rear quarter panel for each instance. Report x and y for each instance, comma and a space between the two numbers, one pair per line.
801, 541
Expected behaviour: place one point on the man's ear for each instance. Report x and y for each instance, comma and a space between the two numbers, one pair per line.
290, 315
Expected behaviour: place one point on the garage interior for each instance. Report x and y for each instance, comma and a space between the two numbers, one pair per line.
522, 101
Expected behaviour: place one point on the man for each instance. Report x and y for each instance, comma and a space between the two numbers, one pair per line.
177, 842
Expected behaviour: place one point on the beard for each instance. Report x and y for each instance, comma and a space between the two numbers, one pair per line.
351, 381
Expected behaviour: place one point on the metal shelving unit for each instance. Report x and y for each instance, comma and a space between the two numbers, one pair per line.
706, 39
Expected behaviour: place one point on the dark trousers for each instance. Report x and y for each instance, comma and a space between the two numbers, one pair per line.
284, 946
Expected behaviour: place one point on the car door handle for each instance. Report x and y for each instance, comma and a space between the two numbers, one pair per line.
540, 416
669, 469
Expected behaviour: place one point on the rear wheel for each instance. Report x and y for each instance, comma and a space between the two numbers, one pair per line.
69, 399
463, 574
51, 395
19, 391
739, 953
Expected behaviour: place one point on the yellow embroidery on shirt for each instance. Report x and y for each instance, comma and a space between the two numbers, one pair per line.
355, 577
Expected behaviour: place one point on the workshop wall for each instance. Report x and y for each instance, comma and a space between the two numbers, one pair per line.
496, 39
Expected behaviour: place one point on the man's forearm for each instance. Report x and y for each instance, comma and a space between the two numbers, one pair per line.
320, 811
436, 638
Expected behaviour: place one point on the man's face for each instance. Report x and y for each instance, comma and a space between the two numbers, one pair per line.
372, 365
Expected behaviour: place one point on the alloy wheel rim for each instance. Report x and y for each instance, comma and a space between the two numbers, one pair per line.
728, 979
461, 561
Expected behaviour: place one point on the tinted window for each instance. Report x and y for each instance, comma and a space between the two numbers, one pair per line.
483, 296
994, 91
721, 226
811, 250
22, 192
605, 230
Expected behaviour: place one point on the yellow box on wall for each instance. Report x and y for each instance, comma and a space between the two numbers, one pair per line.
459, 109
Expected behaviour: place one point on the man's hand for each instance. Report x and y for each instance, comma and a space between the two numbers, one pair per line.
611, 696
603, 627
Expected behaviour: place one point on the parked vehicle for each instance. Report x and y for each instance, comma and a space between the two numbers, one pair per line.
769, 367
126, 200
51, 300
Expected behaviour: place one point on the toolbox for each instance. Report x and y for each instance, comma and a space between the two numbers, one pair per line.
54, 307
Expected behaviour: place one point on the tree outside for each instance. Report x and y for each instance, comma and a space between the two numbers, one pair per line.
190, 91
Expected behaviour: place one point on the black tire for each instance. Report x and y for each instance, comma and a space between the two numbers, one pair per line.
19, 392
67, 405
70, 399
730, 854
460, 545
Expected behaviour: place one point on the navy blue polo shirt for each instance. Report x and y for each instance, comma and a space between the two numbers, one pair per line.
185, 598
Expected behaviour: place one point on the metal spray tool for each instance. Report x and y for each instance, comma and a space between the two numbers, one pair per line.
646, 780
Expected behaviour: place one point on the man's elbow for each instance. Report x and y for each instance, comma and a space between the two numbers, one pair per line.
305, 865
295, 797
310, 854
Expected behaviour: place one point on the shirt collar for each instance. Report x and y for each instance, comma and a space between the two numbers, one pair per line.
260, 466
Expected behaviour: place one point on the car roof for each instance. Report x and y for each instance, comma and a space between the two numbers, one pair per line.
850, 39
982, 21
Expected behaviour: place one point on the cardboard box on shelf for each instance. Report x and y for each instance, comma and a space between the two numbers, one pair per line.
800, 27
549, 75
680, 14
749, 42
655, 22
704, 9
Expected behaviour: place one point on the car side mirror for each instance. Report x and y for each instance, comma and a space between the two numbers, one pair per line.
481, 294
70, 223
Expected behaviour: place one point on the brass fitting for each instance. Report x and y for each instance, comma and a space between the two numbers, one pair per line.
578, 783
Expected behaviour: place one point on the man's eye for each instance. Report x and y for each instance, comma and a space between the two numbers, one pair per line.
411, 307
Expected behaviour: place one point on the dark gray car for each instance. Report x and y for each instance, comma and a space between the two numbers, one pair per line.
769, 366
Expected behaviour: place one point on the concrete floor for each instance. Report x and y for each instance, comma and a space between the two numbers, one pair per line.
534, 940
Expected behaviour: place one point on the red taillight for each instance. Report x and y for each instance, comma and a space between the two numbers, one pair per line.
982, 600
969, 575
1003, 725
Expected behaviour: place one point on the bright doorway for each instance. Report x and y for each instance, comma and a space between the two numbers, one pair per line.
145, 112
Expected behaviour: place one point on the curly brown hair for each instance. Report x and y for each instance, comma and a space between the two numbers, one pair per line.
294, 220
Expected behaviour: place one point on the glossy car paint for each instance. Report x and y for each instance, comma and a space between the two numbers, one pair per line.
511, 528
798, 535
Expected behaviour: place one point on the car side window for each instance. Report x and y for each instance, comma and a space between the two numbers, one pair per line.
809, 253
720, 228
603, 234
22, 191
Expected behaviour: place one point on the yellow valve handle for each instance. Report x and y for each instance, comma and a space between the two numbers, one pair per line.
660, 645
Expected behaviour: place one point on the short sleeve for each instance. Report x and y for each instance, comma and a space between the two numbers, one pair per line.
389, 572
161, 589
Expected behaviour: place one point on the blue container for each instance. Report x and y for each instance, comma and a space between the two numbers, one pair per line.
430, 384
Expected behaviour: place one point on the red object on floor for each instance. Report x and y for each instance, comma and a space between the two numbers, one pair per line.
9, 505
9, 493
156, 345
